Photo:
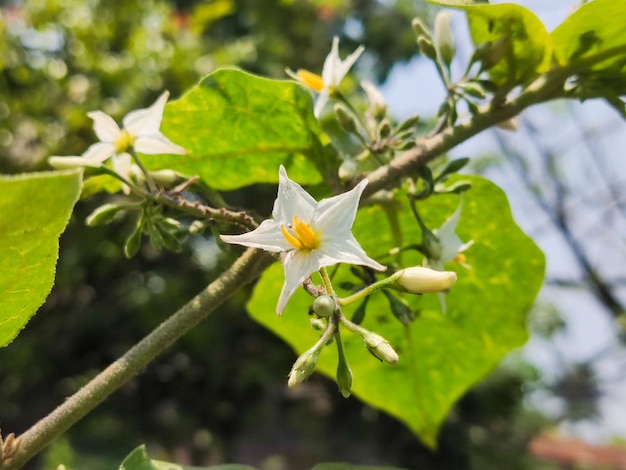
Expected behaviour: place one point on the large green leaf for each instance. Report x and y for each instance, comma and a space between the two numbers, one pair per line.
441, 356
530, 50
138, 459
595, 27
34, 210
238, 129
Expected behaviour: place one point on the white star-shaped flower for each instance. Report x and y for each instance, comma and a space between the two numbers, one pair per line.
314, 234
140, 131
333, 71
449, 245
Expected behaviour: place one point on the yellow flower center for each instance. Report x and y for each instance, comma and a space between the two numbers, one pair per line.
124, 141
302, 236
459, 258
311, 80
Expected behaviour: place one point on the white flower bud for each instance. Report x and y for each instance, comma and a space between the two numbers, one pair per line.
348, 170
444, 42
420, 280
375, 98
67, 163
380, 348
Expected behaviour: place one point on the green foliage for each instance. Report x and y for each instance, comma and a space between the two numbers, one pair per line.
594, 28
524, 41
35, 209
239, 127
441, 356
138, 459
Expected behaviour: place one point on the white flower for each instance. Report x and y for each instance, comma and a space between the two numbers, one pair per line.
314, 234
140, 131
448, 246
333, 71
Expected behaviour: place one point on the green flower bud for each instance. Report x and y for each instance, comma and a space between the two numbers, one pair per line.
344, 377
421, 280
303, 367
345, 119
399, 308
420, 28
103, 214
380, 348
427, 47
133, 242
324, 305
384, 129
317, 324
444, 42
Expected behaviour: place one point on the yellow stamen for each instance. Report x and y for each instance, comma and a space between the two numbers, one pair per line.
460, 258
311, 80
124, 141
305, 238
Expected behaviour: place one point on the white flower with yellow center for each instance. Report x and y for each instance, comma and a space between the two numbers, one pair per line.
333, 71
140, 131
314, 234
449, 246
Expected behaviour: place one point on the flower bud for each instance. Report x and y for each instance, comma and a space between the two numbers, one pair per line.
349, 169
420, 28
303, 367
165, 177
377, 105
380, 348
196, 227
444, 42
103, 214
420, 280
324, 305
317, 324
344, 377
345, 119
426, 47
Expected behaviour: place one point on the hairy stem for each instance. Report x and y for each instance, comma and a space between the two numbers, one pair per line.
244, 270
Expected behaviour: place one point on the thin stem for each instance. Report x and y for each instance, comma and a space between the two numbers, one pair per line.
369, 290
327, 282
151, 184
244, 270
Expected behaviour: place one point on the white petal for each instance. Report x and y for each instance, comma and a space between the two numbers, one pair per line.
121, 164
148, 120
298, 266
320, 102
347, 64
156, 143
266, 236
331, 63
99, 152
346, 249
104, 126
336, 214
292, 200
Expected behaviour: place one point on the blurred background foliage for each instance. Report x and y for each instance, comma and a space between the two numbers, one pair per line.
218, 395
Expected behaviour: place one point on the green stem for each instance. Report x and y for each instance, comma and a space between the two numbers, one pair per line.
244, 270
328, 285
151, 184
369, 290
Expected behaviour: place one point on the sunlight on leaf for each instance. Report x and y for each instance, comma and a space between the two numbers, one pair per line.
441, 356
238, 129
35, 209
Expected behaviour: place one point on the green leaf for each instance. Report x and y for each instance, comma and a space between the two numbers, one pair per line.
35, 209
238, 128
594, 28
138, 459
529, 51
441, 356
